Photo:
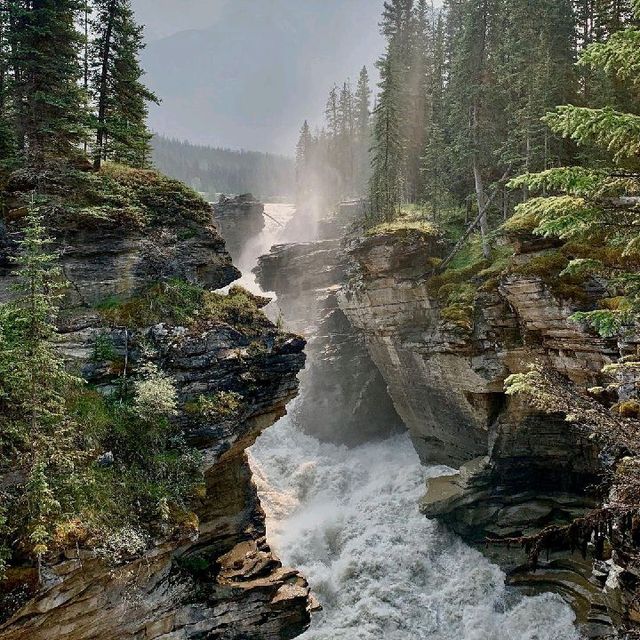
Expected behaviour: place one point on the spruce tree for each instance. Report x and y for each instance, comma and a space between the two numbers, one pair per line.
49, 101
34, 385
7, 124
304, 150
597, 204
346, 141
120, 95
362, 108
386, 178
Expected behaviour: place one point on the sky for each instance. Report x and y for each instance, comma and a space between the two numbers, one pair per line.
245, 74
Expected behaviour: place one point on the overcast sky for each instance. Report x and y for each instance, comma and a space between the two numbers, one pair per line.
247, 73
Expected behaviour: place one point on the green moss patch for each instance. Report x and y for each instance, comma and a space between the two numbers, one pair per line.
115, 196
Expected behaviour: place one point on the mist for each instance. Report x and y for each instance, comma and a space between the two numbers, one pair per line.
246, 74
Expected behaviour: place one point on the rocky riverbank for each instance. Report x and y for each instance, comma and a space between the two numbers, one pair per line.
445, 360
214, 573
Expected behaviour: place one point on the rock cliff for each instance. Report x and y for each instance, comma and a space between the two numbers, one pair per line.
345, 397
445, 364
214, 575
239, 220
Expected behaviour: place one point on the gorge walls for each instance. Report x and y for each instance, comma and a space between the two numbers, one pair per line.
445, 355
209, 571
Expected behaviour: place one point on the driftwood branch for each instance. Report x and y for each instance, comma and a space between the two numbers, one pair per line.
443, 265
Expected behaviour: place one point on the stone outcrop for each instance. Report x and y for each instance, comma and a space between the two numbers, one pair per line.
239, 220
216, 576
519, 470
345, 398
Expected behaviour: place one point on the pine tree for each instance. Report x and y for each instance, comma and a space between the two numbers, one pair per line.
362, 108
597, 204
386, 178
34, 384
537, 54
7, 124
434, 159
304, 151
345, 161
50, 103
120, 95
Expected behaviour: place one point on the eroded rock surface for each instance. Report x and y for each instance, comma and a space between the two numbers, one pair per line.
519, 470
345, 397
239, 220
216, 577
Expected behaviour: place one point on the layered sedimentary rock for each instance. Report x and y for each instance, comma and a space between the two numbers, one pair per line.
345, 397
239, 219
215, 576
519, 470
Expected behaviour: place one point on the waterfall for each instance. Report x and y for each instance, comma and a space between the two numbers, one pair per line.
349, 520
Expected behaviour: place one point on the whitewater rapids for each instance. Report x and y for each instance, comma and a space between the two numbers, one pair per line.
348, 519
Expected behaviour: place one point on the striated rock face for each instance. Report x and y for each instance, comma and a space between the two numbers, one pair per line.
215, 579
345, 397
239, 219
444, 396
519, 470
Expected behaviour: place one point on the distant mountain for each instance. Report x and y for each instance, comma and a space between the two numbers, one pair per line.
212, 170
250, 78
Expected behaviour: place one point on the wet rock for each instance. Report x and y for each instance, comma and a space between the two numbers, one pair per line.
218, 578
345, 398
519, 471
239, 219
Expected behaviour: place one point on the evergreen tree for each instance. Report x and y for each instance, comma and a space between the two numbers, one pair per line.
34, 385
362, 109
7, 124
120, 95
49, 101
434, 159
346, 141
304, 151
386, 178
597, 204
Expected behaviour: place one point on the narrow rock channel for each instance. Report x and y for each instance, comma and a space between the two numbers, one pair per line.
348, 517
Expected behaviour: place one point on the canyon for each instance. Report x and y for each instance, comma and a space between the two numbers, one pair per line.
400, 457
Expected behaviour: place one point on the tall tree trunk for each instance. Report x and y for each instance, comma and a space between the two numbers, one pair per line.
482, 206
479, 186
102, 95
86, 58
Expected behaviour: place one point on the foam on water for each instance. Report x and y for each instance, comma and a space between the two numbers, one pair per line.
349, 520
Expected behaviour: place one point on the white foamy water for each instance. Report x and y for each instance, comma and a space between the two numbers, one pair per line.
349, 520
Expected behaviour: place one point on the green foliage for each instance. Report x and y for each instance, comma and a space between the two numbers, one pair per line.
33, 387
174, 301
103, 471
224, 405
410, 218
50, 105
619, 56
618, 133
116, 195
593, 205
162, 199
606, 322
120, 95
576, 181
555, 216
240, 309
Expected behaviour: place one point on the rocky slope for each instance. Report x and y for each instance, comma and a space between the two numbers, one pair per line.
519, 470
214, 576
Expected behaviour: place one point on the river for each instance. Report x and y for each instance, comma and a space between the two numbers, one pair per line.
349, 520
